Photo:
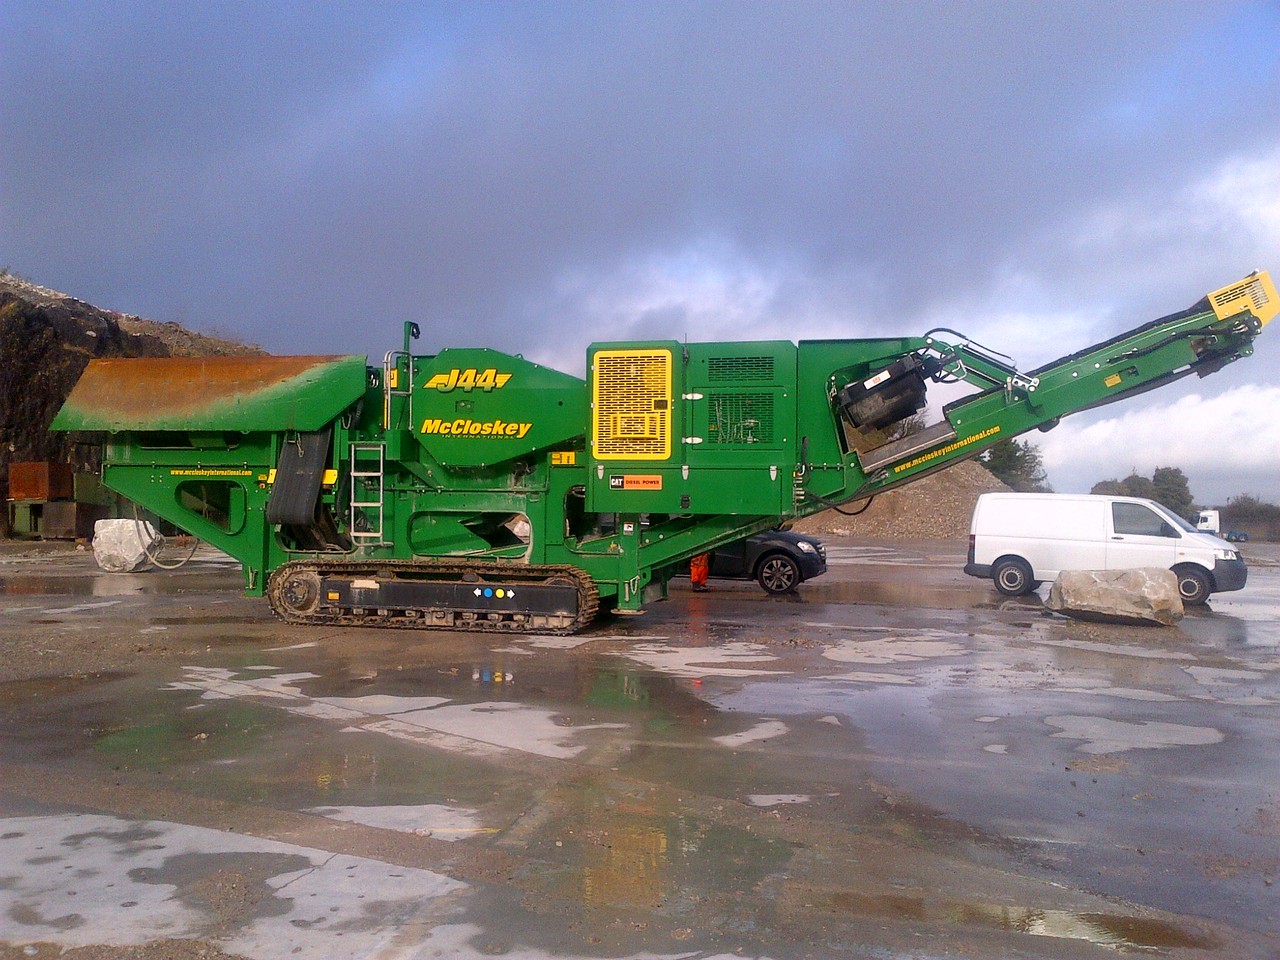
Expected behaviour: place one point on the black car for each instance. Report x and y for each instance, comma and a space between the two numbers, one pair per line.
778, 560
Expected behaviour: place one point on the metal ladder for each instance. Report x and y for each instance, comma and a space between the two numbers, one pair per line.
390, 370
361, 471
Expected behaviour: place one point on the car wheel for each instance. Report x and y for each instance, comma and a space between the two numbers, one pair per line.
1193, 585
778, 573
1012, 577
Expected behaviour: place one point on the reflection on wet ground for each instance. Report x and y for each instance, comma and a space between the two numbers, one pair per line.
98, 879
727, 776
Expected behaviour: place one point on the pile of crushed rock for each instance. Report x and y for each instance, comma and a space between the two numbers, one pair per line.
939, 507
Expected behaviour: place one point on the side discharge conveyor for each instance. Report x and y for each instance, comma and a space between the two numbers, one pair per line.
475, 490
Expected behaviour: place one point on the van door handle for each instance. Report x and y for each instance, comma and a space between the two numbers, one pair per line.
1117, 538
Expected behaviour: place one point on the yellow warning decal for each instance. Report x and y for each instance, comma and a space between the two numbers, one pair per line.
330, 477
564, 458
1113, 380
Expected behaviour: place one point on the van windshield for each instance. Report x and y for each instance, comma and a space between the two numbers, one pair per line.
1176, 520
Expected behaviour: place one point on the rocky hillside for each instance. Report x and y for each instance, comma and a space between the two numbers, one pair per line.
46, 339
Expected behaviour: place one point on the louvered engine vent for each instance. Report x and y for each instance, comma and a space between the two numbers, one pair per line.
738, 369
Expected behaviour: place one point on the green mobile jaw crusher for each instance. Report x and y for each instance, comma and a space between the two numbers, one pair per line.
477, 490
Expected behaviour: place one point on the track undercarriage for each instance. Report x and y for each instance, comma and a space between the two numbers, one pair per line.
434, 595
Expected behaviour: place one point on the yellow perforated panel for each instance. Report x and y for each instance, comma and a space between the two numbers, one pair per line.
631, 395
1255, 293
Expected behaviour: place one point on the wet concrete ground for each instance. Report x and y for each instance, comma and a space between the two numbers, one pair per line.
896, 763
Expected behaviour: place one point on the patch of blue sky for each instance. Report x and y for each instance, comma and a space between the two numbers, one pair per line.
435, 44
408, 76
1233, 58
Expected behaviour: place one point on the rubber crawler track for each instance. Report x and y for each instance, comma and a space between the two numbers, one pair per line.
449, 571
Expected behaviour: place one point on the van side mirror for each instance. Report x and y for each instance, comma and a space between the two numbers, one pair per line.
1167, 529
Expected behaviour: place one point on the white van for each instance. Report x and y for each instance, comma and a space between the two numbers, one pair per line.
1022, 539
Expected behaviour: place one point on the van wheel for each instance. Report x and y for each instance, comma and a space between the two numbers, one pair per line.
1193, 585
1012, 577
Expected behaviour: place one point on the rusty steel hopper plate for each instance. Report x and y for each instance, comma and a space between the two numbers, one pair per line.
212, 393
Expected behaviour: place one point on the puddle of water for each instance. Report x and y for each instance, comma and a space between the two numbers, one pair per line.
1104, 735
159, 738
1119, 649
36, 585
382, 704
1124, 693
924, 741
1222, 677
867, 676
634, 851
556, 643
83, 607
927, 645
697, 662
488, 728
203, 621
765, 730
906, 592
137, 881
1104, 929
492, 728
423, 820
619, 690
777, 799
1118, 931
99, 584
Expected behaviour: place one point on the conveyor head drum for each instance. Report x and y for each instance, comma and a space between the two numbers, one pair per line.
886, 397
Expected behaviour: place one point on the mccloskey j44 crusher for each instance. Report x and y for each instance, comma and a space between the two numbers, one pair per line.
476, 490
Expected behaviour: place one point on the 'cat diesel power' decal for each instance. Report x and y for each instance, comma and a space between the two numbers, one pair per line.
468, 378
476, 428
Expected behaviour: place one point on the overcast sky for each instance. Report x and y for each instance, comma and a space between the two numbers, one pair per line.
534, 177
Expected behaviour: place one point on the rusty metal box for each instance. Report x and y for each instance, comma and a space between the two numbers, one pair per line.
41, 481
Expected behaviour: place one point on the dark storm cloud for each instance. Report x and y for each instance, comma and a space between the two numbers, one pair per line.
536, 176
310, 175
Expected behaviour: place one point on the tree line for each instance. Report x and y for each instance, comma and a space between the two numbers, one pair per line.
1018, 464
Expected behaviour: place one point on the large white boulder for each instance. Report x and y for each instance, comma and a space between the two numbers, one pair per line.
1146, 595
121, 546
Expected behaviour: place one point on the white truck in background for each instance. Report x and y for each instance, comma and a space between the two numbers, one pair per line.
1020, 540
1210, 521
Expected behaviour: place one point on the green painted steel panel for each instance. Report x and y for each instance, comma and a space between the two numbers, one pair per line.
475, 407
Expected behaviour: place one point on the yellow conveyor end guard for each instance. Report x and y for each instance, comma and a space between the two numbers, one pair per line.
1255, 293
